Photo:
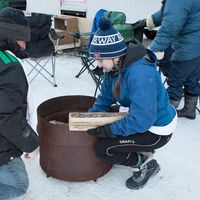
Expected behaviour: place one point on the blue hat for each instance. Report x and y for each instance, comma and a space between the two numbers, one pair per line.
107, 42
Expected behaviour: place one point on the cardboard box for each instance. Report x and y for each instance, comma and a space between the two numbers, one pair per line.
64, 25
84, 25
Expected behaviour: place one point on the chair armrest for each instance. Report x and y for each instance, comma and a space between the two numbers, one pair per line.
78, 35
54, 35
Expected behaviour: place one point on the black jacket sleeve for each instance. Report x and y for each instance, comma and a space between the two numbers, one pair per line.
13, 105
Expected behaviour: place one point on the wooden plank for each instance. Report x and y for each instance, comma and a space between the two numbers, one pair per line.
82, 121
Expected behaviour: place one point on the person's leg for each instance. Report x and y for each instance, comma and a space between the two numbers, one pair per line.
178, 75
122, 150
130, 151
13, 179
192, 84
191, 91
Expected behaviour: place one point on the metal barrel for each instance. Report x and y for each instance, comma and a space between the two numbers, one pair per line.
64, 154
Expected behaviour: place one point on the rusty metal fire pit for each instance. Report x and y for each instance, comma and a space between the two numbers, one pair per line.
63, 154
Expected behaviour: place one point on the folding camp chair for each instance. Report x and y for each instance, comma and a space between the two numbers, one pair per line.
41, 49
83, 52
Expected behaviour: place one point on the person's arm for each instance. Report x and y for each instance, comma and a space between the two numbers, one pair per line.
154, 20
105, 98
143, 109
13, 123
174, 17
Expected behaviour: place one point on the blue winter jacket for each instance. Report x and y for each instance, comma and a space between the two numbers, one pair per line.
180, 26
142, 91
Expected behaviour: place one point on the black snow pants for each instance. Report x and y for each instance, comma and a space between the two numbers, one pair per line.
122, 150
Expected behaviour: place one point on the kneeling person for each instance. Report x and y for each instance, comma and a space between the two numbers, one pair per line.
131, 78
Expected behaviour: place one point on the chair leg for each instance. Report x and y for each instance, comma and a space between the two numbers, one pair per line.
54, 70
98, 82
42, 67
38, 71
81, 71
86, 63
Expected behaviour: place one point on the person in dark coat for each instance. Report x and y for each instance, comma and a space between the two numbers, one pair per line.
132, 80
180, 28
16, 135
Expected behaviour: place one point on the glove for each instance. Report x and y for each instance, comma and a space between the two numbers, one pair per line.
101, 132
140, 24
159, 55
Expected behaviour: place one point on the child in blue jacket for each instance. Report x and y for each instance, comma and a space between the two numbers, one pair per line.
131, 79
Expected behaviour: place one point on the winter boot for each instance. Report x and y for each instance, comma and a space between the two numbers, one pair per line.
141, 176
199, 104
174, 103
189, 109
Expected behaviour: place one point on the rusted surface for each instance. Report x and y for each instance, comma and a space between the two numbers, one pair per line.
63, 154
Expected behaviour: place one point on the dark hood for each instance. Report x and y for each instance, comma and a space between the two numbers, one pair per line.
135, 52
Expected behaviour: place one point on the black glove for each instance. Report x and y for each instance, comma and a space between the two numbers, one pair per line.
140, 24
101, 132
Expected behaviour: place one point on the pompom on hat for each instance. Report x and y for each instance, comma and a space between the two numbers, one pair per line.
14, 25
107, 42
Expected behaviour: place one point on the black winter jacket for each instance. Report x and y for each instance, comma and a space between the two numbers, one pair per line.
16, 135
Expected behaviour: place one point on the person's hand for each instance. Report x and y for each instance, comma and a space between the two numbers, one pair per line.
101, 132
32, 155
140, 24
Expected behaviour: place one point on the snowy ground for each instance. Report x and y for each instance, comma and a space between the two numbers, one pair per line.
179, 160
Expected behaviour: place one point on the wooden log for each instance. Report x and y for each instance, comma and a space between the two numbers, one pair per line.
82, 121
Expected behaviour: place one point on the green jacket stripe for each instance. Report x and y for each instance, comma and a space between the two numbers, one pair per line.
5, 59
11, 57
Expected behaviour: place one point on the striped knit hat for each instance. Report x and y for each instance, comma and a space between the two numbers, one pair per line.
107, 42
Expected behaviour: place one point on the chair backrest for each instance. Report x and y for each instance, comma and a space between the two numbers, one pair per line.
118, 20
98, 15
126, 30
40, 44
115, 17
4, 4
95, 23
40, 25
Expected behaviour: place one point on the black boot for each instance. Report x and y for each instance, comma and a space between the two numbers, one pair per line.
142, 175
189, 109
199, 104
